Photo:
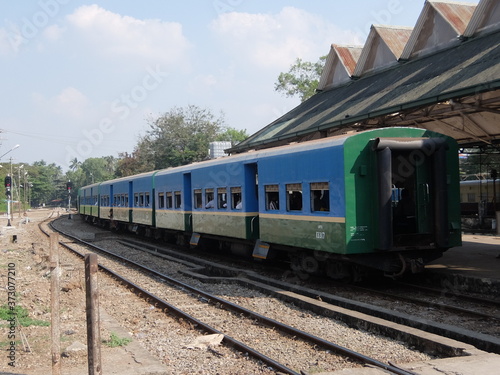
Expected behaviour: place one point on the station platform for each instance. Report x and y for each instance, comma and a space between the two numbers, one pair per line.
473, 267
479, 256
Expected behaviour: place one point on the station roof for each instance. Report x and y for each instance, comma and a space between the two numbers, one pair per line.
452, 89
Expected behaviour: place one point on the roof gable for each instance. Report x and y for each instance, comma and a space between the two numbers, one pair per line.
486, 18
339, 66
440, 23
382, 48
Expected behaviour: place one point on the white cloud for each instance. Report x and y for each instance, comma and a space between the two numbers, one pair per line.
123, 37
53, 32
70, 103
277, 40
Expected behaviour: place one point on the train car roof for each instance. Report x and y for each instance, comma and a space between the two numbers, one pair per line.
127, 178
281, 150
252, 155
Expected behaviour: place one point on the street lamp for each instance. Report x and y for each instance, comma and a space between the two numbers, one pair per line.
12, 149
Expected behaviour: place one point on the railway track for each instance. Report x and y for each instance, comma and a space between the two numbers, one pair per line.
401, 292
194, 305
431, 319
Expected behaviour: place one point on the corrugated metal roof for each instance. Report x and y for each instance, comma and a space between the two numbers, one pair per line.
391, 97
486, 17
394, 37
458, 15
349, 56
382, 48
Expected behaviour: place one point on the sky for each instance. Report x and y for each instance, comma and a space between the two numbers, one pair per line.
85, 79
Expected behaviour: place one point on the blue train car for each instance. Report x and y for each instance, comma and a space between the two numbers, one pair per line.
173, 202
120, 209
88, 198
386, 199
225, 197
142, 199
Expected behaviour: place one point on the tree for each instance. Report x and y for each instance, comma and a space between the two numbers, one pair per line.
181, 136
302, 79
48, 183
232, 135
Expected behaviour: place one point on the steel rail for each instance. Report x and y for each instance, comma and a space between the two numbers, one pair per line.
441, 293
169, 308
421, 302
239, 309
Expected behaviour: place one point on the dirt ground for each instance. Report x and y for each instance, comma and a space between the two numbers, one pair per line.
25, 274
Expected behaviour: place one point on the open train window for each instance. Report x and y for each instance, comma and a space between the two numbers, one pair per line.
197, 198
294, 197
236, 198
178, 201
136, 199
320, 196
221, 198
169, 200
272, 197
161, 200
209, 198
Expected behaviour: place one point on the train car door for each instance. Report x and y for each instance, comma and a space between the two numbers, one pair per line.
130, 201
412, 193
187, 202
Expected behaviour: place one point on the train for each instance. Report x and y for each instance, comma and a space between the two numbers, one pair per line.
479, 197
383, 200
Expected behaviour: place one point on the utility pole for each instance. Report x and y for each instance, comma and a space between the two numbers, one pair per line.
8, 183
69, 186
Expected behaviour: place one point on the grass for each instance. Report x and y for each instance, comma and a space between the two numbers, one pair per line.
22, 315
116, 341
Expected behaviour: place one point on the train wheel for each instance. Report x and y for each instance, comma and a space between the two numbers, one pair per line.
337, 270
309, 264
295, 263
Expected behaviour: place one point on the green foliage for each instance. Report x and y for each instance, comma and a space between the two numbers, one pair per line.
232, 135
302, 79
115, 341
22, 315
179, 137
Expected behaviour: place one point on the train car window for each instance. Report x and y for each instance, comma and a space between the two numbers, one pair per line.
136, 199
294, 197
169, 200
126, 201
320, 196
221, 198
147, 200
197, 198
471, 197
236, 198
161, 200
178, 201
272, 197
209, 198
